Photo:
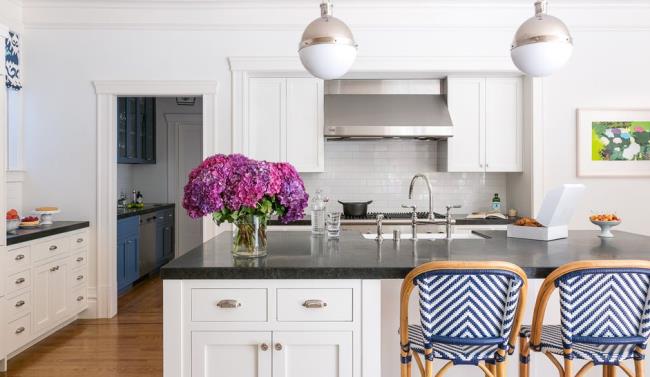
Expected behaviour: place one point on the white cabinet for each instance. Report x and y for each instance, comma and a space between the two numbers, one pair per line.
488, 125
51, 296
283, 122
314, 354
232, 354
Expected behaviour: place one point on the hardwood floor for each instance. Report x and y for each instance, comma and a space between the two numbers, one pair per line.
128, 345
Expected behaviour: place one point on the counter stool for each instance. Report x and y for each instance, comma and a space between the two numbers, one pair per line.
605, 317
470, 313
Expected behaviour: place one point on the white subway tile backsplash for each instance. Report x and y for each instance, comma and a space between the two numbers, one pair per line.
381, 170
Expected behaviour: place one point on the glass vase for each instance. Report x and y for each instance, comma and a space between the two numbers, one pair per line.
249, 237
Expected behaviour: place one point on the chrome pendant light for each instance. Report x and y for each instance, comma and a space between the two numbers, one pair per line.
542, 44
327, 49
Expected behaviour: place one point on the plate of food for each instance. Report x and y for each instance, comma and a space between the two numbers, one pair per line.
12, 220
606, 221
29, 222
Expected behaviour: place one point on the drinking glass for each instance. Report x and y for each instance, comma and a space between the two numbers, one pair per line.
333, 224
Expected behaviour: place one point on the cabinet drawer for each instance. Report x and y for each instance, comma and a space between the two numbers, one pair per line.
19, 259
79, 259
79, 299
229, 305
314, 305
18, 305
78, 276
18, 333
51, 248
18, 281
78, 240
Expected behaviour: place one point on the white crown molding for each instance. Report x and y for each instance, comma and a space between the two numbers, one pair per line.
294, 15
152, 88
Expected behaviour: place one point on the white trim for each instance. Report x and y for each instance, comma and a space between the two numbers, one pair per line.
104, 228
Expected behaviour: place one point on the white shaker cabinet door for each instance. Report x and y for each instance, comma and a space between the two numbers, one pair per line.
51, 294
265, 137
313, 354
466, 102
504, 124
231, 354
305, 143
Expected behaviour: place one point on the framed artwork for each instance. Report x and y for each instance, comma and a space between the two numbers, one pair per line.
613, 143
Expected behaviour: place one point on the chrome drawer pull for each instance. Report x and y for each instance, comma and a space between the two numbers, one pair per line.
20, 303
264, 347
80, 298
80, 277
80, 240
55, 268
20, 280
80, 259
53, 247
20, 330
228, 304
314, 304
19, 257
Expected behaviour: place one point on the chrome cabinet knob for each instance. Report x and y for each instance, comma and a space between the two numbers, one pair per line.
80, 277
80, 240
20, 303
80, 298
20, 257
278, 347
53, 247
20, 280
20, 330
80, 259
264, 347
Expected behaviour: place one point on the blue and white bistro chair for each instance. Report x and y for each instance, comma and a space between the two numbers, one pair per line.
470, 313
605, 317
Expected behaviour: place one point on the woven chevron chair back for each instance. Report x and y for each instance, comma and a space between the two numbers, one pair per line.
605, 306
468, 307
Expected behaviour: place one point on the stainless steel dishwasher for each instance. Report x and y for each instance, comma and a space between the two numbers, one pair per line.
147, 243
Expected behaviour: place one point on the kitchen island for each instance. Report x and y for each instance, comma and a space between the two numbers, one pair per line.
328, 305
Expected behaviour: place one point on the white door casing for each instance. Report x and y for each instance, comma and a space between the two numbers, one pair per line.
103, 301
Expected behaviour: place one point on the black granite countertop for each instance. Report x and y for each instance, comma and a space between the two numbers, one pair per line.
148, 208
297, 255
460, 220
23, 235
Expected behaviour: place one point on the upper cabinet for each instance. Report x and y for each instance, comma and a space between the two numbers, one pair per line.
283, 121
136, 130
488, 125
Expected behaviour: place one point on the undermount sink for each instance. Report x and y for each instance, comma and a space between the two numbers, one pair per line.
428, 236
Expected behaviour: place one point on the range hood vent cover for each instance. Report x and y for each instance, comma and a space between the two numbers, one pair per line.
375, 110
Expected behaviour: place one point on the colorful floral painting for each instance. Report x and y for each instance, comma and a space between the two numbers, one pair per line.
620, 141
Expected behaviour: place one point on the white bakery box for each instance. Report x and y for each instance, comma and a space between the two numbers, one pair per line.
556, 212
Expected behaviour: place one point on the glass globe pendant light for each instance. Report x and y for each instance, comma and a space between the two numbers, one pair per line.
542, 44
327, 48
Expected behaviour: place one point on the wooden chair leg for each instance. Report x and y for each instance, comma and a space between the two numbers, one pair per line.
524, 356
638, 368
568, 368
487, 372
418, 361
428, 364
501, 365
492, 368
444, 369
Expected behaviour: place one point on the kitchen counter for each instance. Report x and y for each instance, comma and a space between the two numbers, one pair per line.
460, 220
296, 255
23, 235
148, 208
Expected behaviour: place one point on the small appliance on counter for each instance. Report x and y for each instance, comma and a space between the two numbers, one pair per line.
553, 218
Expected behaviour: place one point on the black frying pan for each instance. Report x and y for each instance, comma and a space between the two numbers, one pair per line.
355, 208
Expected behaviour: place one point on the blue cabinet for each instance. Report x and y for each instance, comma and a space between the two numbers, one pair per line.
164, 236
136, 130
128, 251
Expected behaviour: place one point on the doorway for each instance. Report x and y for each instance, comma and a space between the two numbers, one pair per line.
103, 297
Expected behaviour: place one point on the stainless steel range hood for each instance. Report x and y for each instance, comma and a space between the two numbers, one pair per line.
386, 109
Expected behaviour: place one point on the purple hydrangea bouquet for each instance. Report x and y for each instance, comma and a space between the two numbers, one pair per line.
245, 192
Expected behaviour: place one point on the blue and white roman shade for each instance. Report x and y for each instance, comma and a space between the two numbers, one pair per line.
12, 62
